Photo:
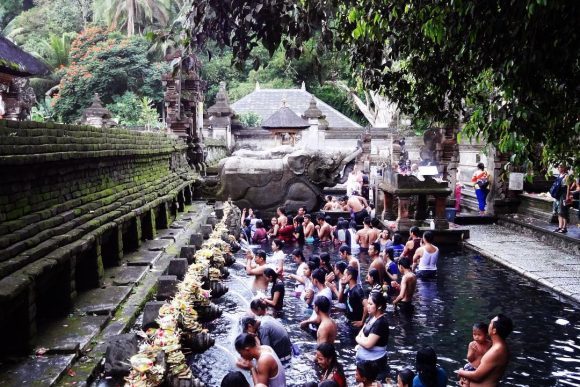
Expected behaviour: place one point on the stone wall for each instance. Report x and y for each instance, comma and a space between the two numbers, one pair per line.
73, 200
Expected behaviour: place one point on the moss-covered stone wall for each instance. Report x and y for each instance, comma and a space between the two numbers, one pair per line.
64, 189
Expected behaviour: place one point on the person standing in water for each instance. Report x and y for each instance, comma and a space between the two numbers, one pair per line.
257, 269
327, 331
478, 347
299, 277
268, 369
278, 256
271, 333
323, 229
495, 361
376, 260
327, 361
276, 299
425, 258
309, 229
407, 288
373, 338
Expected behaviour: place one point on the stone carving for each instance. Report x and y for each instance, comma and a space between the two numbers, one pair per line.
282, 176
18, 100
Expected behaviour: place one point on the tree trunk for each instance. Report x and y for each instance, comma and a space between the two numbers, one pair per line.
130, 17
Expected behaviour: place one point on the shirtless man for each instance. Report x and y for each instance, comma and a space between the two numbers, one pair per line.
375, 232
357, 204
281, 212
345, 253
308, 226
257, 270
268, 369
408, 285
329, 205
494, 362
376, 260
324, 229
364, 234
326, 332
301, 211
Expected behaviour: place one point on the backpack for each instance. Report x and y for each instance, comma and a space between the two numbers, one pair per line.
556, 187
482, 183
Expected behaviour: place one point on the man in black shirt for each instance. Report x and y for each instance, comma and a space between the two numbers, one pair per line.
354, 298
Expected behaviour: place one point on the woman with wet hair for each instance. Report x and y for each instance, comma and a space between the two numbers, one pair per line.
428, 374
276, 299
374, 280
327, 361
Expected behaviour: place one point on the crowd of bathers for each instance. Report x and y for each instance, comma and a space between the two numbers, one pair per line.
323, 283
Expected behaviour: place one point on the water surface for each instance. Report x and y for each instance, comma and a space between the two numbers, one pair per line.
545, 345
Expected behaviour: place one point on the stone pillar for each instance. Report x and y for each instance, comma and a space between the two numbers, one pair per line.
403, 221
162, 221
421, 210
148, 230
441, 222
188, 195
181, 201
388, 213
100, 267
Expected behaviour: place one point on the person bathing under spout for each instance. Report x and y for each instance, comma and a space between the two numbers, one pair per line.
268, 370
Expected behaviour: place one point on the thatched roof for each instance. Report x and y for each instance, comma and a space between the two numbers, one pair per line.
15, 61
285, 118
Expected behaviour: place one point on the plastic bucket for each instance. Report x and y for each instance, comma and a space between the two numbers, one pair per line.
450, 213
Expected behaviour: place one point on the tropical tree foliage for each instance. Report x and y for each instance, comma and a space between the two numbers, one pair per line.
133, 15
109, 64
56, 50
510, 69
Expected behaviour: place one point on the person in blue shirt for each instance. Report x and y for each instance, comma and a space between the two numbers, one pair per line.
428, 374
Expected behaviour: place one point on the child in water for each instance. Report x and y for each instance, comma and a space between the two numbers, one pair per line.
478, 347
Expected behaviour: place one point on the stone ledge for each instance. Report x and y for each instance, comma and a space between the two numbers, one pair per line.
538, 278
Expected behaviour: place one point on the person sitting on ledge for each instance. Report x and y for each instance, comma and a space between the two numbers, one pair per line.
357, 205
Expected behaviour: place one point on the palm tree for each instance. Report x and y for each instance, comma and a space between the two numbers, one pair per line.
56, 49
127, 14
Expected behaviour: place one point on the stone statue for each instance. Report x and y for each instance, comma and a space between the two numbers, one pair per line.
280, 177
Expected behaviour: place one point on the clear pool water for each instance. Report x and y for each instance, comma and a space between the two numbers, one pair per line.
545, 345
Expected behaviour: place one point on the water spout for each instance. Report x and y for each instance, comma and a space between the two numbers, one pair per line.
228, 352
246, 302
241, 281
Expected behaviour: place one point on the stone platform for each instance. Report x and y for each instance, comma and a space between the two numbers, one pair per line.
526, 254
70, 349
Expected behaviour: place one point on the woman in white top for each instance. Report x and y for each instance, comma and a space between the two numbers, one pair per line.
278, 257
354, 246
268, 370
300, 276
426, 256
